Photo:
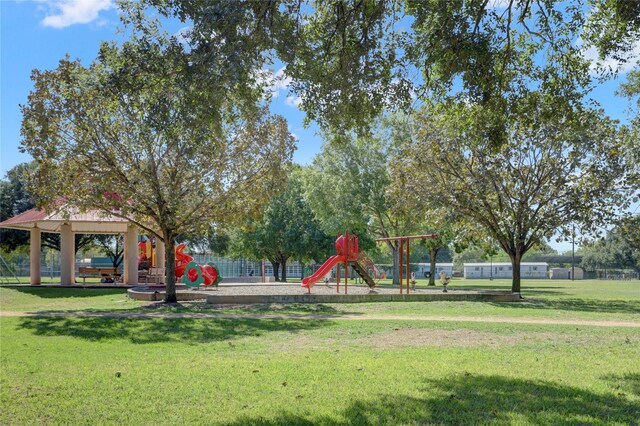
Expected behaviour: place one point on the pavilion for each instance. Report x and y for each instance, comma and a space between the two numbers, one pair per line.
68, 222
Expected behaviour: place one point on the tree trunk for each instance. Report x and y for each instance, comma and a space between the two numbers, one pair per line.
395, 253
283, 265
433, 253
170, 264
276, 270
516, 259
117, 255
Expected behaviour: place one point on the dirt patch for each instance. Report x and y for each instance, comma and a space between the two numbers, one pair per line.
301, 343
412, 337
407, 337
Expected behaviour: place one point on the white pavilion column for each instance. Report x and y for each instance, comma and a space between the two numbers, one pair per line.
67, 255
160, 253
34, 256
131, 256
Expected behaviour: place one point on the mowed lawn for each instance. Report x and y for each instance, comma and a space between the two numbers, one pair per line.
568, 354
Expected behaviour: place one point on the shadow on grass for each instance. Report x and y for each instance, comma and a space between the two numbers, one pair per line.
305, 308
583, 305
63, 293
257, 308
507, 287
467, 399
627, 383
160, 330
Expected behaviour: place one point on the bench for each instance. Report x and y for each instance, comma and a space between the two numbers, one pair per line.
85, 272
153, 276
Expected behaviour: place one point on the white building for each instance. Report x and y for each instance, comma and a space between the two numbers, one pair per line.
504, 270
424, 269
565, 273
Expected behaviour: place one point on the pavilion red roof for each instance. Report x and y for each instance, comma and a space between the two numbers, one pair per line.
92, 222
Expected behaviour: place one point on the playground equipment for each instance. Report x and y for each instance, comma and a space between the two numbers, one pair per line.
347, 254
405, 253
194, 274
146, 252
444, 280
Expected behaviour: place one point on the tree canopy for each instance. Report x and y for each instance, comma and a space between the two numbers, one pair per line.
138, 134
14, 199
556, 170
351, 61
619, 249
348, 187
287, 230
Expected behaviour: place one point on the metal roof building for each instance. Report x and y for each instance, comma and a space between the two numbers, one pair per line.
505, 270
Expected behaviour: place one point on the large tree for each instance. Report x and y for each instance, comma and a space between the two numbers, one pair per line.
352, 60
631, 90
14, 199
557, 168
620, 249
347, 186
288, 230
140, 135
112, 246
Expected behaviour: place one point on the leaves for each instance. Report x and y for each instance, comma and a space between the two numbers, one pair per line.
138, 134
288, 229
553, 172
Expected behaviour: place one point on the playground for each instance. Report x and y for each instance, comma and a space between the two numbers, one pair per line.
462, 351
235, 353
199, 281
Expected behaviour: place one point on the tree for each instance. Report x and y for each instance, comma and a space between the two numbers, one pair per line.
557, 168
14, 199
347, 186
620, 249
438, 221
287, 230
444, 235
113, 247
631, 90
139, 135
495, 52
613, 27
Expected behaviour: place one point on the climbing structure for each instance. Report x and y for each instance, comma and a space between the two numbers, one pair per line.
194, 274
347, 254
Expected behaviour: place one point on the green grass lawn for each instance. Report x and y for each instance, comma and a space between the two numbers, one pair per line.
71, 369
33, 299
48, 280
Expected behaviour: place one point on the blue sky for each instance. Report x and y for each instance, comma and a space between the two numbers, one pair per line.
38, 33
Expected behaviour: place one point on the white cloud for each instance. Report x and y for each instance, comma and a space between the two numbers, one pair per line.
293, 101
279, 82
632, 56
183, 35
276, 82
497, 4
63, 13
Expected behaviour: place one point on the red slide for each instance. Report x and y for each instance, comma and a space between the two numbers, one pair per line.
324, 270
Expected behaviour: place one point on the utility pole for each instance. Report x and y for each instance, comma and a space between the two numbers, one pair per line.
573, 252
491, 267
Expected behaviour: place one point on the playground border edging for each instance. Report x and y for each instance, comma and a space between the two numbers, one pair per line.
363, 298
156, 293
